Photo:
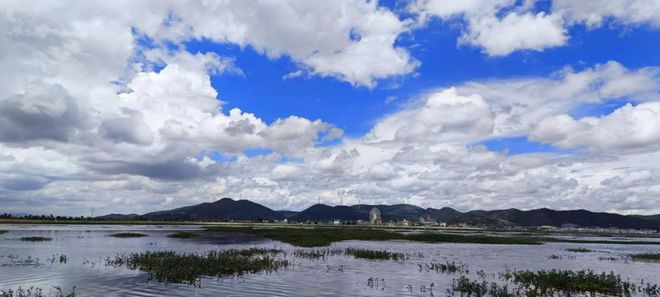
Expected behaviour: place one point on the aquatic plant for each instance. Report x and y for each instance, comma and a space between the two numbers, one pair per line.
183, 235
567, 282
37, 292
449, 267
170, 266
128, 235
375, 254
62, 259
315, 254
579, 250
324, 236
646, 256
3, 232
467, 287
35, 238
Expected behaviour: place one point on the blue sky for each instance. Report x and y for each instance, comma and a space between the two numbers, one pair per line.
264, 91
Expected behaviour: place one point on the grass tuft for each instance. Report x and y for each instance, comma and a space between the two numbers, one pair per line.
375, 254
128, 235
579, 250
36, 238
183, 235
646, 256
173, 267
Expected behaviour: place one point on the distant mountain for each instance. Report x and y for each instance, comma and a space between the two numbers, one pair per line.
322, 212
244, 210
557, 218
223, 209
120, 217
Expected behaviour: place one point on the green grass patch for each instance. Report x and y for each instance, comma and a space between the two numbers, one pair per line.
375, 254
646, 256
318, 237
128, 235
567, 283
173, 267
35, 238
579, 250
317, 254
448, 267
183, 235
37, 292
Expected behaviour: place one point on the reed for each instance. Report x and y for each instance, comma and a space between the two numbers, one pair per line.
317, 254
646, 256
173, 267
375, 254
579, 250
183, 235
566, 282
35, 238
467, 287
448, 267
128, 235
37, 292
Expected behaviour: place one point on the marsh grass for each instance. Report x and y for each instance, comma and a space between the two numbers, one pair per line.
62, 259
552, 283
37, 292
467, 287
375, 254
448, 267
184, 235
646, 256
173, 267
566, 282
128, 235
579, 250
35, 238
3, 232
318, 237
317, 254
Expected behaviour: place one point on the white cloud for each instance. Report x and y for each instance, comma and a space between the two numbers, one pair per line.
500, 37
443, 116
504, 26
594, 13
519, 104
627, 128
517, 29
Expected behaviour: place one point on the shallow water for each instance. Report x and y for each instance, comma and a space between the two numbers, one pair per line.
87, 246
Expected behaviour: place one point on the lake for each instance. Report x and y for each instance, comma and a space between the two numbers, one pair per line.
86, 247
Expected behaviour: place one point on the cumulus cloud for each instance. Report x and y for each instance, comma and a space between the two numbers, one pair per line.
594, 13
517, 29
628, 128
520, 104
504, 26
441, 116
500, 37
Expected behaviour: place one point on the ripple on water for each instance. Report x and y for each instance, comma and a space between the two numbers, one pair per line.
335, 276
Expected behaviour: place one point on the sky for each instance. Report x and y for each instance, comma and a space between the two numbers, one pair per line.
137, 106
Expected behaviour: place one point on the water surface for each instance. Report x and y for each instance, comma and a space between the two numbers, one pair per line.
25, 264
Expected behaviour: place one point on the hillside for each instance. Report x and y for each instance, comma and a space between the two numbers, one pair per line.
245, 210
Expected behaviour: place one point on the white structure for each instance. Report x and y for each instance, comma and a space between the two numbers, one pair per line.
374, 216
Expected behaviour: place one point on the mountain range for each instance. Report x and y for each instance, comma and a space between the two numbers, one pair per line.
227, 209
